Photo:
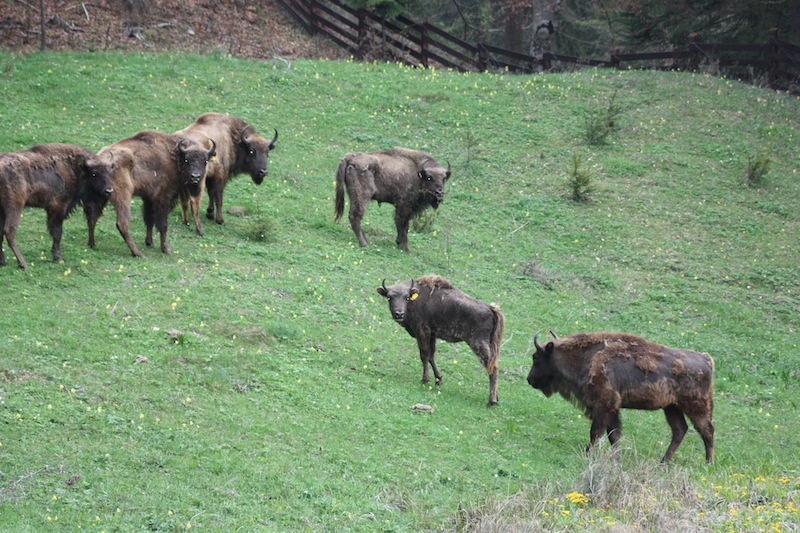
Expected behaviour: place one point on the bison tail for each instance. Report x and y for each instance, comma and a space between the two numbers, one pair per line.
338, 206
497, 333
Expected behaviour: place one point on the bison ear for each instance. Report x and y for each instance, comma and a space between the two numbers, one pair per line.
413, 294
383, 292
548, 349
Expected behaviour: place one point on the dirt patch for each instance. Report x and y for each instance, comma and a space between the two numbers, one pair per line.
257, 30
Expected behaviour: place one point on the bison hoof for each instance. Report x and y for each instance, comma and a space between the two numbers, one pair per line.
491, 403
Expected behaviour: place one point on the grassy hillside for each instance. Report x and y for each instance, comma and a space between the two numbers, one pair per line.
253, 380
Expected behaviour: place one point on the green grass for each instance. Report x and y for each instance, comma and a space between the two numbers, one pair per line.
272, 390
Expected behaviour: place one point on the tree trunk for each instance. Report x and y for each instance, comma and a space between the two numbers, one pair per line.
545, 24
41, 12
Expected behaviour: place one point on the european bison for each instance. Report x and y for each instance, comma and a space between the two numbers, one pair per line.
239, 150
604, 372
55, 177
157, 167
430, 308
408, 179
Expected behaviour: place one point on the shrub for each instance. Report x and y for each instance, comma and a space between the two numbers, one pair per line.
756, 168
580, 180
601, 122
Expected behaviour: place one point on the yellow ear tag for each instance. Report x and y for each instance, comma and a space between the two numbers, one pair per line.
414, 296
213, 158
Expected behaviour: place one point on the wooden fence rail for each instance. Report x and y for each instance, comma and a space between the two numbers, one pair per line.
367, 37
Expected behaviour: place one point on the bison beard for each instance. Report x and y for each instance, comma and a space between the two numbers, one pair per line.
408, 179
430, 308
604, 372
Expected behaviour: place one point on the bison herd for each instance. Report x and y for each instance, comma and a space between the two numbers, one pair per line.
160, 168
601, 372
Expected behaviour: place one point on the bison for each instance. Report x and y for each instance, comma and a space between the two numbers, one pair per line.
239, 149
408, 179
603, 372
430, 308
157, 167
55, 177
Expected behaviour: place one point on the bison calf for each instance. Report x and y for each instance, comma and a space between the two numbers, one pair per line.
430, 308
604, 372
408, 179
156, 167
55, 177
240, 149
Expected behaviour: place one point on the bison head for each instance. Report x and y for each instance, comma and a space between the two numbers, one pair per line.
432, 177
194, 158
253, 153
542, 371
99, 170
400, 296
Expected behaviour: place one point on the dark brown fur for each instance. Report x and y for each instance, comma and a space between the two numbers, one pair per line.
156, 167
604, 372
240, 149
408, 179
430, 308
55, 177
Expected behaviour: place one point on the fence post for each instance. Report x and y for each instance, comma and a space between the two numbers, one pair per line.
693, 52
312, 18
483, 59
423, 46
362, 33
41, 12
773, 52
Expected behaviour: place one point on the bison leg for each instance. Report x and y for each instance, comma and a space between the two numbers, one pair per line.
614, 431
357, 211
704, 426
10, 231
92, 213
2, 225
600, 424
161, 223
401, 220
485, 355
215, 188
148, 213
123, 209
55, 225
679, 427
427, 352
194, 202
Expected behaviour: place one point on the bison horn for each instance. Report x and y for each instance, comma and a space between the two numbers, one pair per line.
553, 334
383, 284
241, 135
536, 343
272, 142
213, 150
448, 169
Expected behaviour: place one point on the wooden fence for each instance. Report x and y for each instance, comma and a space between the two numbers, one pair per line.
367, 37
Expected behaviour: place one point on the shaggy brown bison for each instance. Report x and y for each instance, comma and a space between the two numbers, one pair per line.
156, 167
240, 149
408, 179
431, 308
604, 372
55, 177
